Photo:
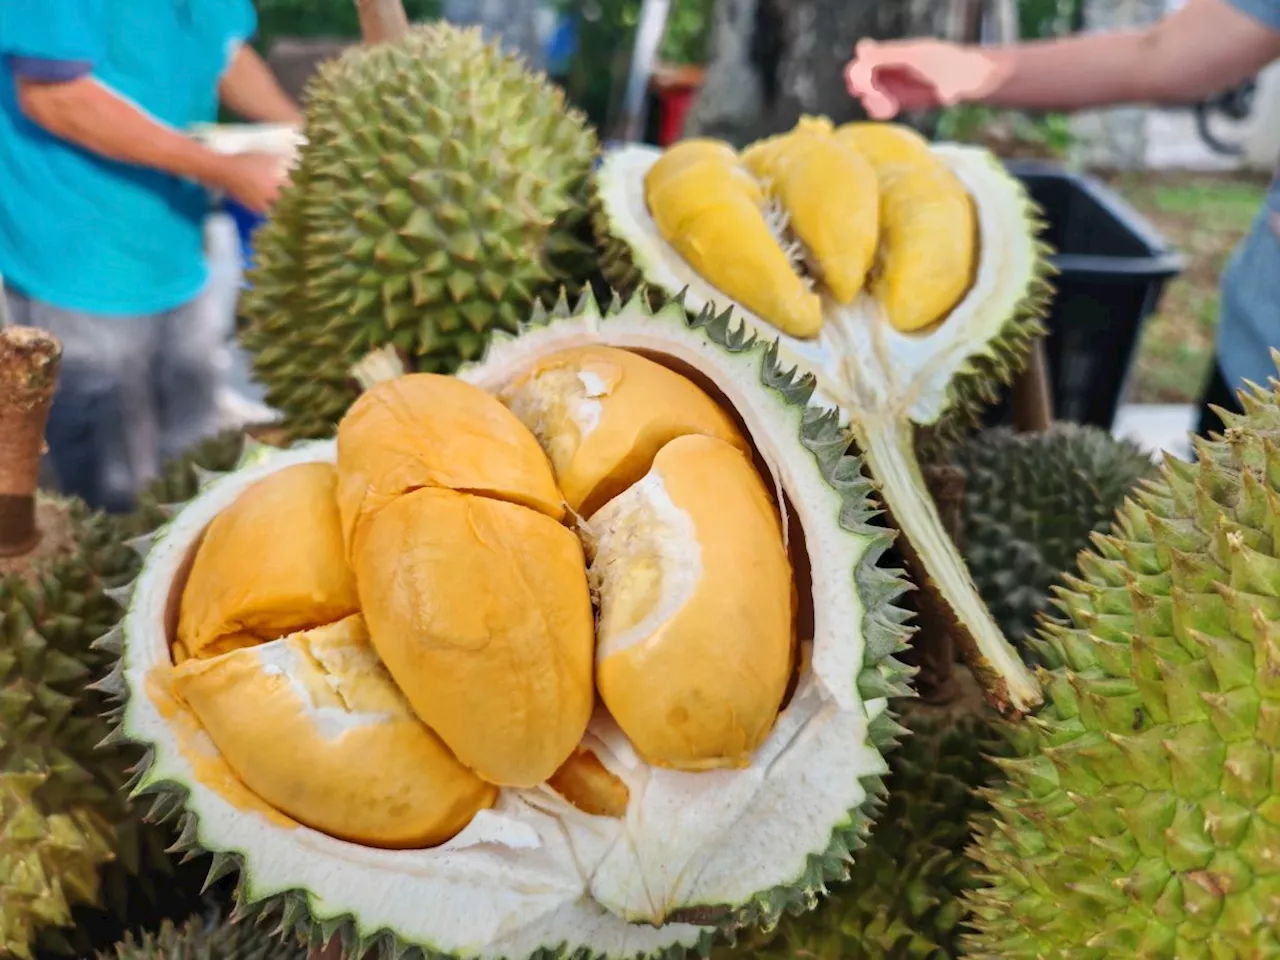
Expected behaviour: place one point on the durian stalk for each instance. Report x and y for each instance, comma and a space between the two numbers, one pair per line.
939, 568
382, 21
29, 362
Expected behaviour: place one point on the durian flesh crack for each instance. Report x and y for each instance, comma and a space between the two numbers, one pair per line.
645, 564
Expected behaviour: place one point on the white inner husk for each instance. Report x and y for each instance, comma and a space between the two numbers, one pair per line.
863, 362
535, 872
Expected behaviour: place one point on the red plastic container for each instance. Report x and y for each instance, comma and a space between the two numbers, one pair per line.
675, 88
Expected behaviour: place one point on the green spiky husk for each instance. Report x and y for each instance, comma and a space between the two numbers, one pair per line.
902, 901
288, 913
207, 937
442, 191
1031, 502
1142, 817
51, 609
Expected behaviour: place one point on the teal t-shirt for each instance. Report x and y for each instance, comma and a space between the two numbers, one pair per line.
83, 232
1249, 317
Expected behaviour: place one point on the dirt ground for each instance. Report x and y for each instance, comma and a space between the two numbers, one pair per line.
1204, 216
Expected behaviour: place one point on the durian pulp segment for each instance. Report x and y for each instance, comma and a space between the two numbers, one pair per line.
884, 381
314, 725
535, 873
602, 414
703, 202
695, 637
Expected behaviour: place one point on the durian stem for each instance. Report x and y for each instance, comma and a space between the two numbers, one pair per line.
938, 568
29, 364
382, 21
933, 647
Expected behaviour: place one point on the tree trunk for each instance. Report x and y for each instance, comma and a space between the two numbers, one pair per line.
773, 60
514, 22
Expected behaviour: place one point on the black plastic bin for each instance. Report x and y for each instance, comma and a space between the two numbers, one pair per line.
1113, 267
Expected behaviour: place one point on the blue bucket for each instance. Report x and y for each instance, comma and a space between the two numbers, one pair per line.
247, 222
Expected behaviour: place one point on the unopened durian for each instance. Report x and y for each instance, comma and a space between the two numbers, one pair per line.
440, 192
1031, 502
207, 937
1141, 814
609, 855
910, 353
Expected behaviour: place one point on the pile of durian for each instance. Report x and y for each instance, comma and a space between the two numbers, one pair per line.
555, 630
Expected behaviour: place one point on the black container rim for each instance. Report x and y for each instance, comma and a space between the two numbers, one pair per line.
1163, 261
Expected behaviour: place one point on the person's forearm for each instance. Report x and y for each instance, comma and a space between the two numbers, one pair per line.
250, 89
88, 114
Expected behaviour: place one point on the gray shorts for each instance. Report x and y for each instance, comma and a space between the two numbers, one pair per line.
134, 392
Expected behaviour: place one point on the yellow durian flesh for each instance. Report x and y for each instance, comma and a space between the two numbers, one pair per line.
697, 618
587, 784
429, 430
928, 227
314, 725
480, 609
710, 210
831, 196
602, 414
271, 564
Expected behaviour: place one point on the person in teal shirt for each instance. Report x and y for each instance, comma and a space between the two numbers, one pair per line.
1199, 50
103, 199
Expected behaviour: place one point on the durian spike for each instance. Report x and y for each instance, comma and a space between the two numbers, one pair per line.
29, 362
382, 21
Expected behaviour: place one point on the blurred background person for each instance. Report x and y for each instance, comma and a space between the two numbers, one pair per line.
103, 200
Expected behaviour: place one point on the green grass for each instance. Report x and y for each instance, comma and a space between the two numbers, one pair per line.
1203, 216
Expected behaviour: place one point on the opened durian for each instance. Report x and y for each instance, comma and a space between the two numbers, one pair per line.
1141, 815
905, 276
1031, 502
440, 191
651, 724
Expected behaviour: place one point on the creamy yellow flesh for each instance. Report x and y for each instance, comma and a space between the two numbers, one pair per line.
870, 205
270, 564
587, 783
602, 414
315, 726
696, 627
429, 430
480, 610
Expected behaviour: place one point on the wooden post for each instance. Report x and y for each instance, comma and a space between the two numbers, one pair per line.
1032, 404
382, 21
29, 364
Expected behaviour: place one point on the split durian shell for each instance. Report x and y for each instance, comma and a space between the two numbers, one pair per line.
703, 853
947, 315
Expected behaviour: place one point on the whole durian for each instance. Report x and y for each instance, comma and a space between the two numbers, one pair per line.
903, 899
95, 855
1031, 502
208, 937
1141, 817
440, 192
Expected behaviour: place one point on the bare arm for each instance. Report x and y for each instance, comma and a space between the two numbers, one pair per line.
250, 89
89, 115
1195, 52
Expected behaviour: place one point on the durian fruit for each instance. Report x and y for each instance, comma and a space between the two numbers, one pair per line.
440, 191
206, 937
903, 901
909, 353
1141, 815
610, 855
76, 858
1031, 502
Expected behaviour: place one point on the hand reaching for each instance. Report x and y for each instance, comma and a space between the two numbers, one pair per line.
917, 74
254, 179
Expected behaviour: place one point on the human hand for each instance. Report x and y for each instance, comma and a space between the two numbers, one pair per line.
918, 74
253, 179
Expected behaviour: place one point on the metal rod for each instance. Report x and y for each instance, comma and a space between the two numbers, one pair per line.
649, 33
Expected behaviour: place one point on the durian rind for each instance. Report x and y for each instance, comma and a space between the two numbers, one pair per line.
953, 369
858, 631
1140, 817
